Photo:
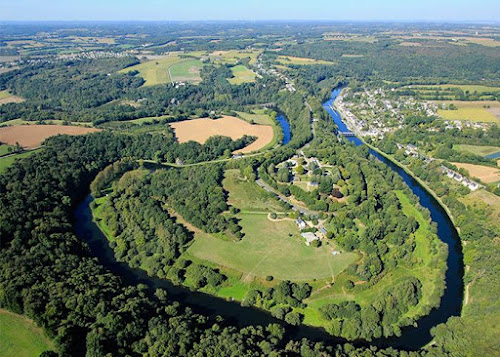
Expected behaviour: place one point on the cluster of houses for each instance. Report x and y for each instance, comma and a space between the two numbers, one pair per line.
311, 236
309, 163
470, 184
459, 124
289, 85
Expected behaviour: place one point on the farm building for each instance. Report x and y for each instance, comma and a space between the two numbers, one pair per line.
301, 224
309, 237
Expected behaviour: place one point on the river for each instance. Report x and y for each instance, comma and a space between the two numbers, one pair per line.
451, 302
412, 338
285, 128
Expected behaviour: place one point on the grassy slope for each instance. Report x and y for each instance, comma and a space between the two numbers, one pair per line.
477, 150
20, 337
156, 71
186, 71
5, 162
481, 115
241, 75
4, 149
258, 116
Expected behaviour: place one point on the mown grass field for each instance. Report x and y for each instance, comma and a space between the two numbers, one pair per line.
5, 162
20, 337
258, 116
271, 248
241, 75
233, 56
156, 71
186, 71
477, 150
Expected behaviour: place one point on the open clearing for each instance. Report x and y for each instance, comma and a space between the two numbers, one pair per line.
258, 116
486, 201
480, 111
248, 196
267, 249
186, 71
156, 71
200, 130
484, 173
20, 337
233, 56
7, 161
31, 136
477, 150
241, 75
471, 88
285, 60
6, 97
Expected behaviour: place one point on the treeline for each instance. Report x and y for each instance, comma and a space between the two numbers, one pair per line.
380, 318
386, 59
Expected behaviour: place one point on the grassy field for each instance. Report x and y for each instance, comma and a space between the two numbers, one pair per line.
484, 173
287, 60
258, 116
186, 71
233, 56
6, 97
241, 75
4, 149
464, 87
248, 196
477, 150
5, 162
473, 111
156, 71
271, 248
20, 337
486, 202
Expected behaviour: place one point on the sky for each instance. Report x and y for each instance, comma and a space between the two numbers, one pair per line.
168, 10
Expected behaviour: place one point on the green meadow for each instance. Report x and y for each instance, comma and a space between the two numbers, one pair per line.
241, 75
20, 337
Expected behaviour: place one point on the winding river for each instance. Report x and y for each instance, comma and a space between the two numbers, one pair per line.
412, 338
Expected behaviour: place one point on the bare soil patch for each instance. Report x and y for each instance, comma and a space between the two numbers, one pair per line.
31, 136
484, 173
200, 130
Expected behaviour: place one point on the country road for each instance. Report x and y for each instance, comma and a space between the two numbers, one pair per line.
285, 199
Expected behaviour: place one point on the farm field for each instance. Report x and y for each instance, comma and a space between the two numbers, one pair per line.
268, 249
156, 71
300, 60
258, 116
241, 75
186, 71
31, 136
201, 129
472, 111
477, 150
484, 173
6, 97
485, 201
464, 87
7, 161
20, 337
233, 56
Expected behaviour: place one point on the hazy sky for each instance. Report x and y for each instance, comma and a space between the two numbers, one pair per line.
429, 10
